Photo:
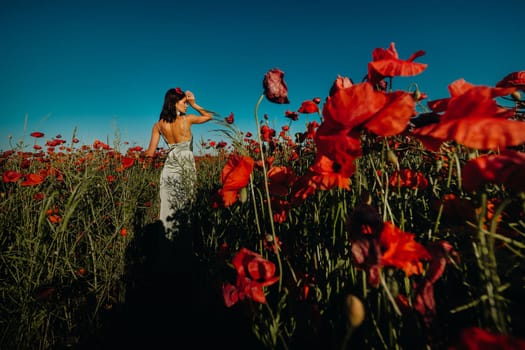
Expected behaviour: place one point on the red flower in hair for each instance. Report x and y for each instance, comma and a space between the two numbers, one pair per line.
179, 91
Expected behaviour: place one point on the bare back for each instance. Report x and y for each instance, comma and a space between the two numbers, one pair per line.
177, 131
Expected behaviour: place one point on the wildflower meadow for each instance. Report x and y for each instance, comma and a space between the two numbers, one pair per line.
389, 222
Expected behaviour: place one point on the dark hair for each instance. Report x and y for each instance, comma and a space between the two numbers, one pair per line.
169, 112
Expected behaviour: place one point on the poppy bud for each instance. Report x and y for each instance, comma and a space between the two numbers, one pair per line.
274, 86
355, 310
243, 195
392, 158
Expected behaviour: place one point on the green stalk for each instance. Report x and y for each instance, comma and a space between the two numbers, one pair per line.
267, 189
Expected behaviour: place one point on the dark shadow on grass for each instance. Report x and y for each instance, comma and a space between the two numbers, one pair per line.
169, 299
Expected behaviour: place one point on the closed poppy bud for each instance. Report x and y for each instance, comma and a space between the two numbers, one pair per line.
355, 310
340, 83
392, 158
274, 86
243, 195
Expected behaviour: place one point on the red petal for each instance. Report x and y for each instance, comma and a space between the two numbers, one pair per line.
393, 118
480, 133
507, 169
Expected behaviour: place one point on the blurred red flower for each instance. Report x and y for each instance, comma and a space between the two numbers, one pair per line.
126, 162
309, 106
267, 133
399, 249
32, 180
516, 79
11, 176
37, 134
234, 176
97, 144
275, 88
280, 178
39, 196
324, 174
229, 119
507, 168
475, 338
291, 115
409, 179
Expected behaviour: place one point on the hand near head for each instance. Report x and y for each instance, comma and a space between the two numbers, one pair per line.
190, 97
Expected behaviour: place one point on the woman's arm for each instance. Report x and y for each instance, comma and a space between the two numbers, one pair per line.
205, 115
153, 142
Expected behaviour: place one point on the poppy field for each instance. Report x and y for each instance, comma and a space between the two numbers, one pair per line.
390, 222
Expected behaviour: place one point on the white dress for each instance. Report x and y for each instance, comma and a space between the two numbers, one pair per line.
177, 186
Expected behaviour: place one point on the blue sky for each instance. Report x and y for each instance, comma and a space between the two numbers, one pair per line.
103, 67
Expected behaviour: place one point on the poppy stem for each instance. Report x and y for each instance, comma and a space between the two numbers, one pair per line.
267, 189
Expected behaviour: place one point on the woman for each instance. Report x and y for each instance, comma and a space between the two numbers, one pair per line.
178, 175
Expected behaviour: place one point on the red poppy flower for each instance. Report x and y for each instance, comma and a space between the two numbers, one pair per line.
32, 180
381, 113
515, 79
324, 174
267, 133
340, 146
234, 176
442, 253
474, 119
275, 88
127, 162
386, 63
475, 338
39, 196
37, 134
97, 144
401, 250
281, 178
291, 115
253, 273
308, 107
409, 179
507, 168
229, 119
11, 176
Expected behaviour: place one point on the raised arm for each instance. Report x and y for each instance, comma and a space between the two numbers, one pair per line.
205, 115
153, 142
